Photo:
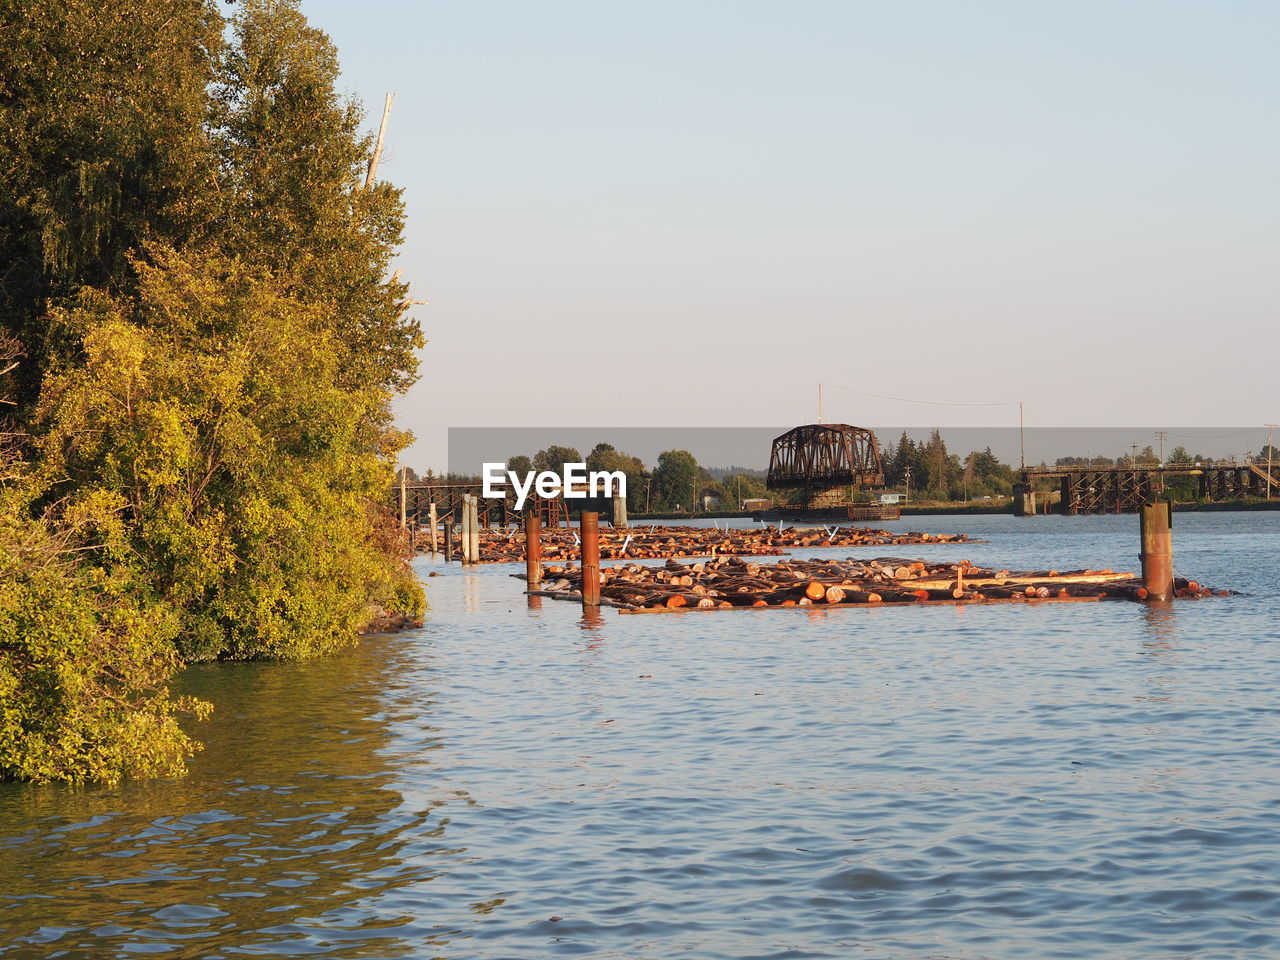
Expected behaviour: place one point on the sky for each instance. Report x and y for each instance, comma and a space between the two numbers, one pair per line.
689, 214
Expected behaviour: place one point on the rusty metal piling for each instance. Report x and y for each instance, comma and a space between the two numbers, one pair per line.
1156, 531
533, 549
589, 528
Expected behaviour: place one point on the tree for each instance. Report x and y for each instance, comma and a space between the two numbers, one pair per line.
675, 479
85, 664
520, 465
292, 159
197, 278
554, 458
85, 655
986, 475
104, 146
733, 489
603, 456
943, 469
209, 441
909, 460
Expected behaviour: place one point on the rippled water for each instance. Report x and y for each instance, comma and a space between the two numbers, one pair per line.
1083, 780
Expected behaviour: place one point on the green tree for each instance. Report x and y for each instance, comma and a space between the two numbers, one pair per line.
986, 475
554, 458
603, 456
197, 278
209, 430
733, 489
292, 162
84, 665
676, 480
104, 146
520, 465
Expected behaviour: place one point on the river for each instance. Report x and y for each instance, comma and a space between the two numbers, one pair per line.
1077, 780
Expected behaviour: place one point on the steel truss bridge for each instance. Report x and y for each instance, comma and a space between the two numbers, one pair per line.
1085, 489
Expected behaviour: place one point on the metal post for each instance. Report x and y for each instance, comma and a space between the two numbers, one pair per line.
1156, 531
532, 548
589, 528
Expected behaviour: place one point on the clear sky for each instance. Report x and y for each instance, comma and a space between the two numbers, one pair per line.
653, 214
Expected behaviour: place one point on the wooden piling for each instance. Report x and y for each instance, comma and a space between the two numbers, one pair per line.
448, 541
470, 530
431, 515
464, 532
1156, 532
619, 512
533, 548
589, 528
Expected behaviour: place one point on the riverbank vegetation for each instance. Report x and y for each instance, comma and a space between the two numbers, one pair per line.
199, 344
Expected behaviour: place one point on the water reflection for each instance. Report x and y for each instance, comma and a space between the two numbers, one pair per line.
1162, 625
1160, 645
288, 832
591, 622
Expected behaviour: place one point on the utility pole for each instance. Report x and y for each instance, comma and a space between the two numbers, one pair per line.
1022, 442
907, 497
1270, 455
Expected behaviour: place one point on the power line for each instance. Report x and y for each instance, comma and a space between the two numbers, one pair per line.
1213, 436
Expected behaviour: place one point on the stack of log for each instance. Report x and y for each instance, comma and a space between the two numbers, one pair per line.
656, 543
734, 582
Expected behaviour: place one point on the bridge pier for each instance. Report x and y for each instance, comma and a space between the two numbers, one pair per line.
1024, 500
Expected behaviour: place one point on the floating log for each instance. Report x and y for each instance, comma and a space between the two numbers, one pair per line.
503, 545
725, 583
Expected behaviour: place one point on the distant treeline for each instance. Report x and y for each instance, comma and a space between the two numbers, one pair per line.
198, 347
924, 470
675, 483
